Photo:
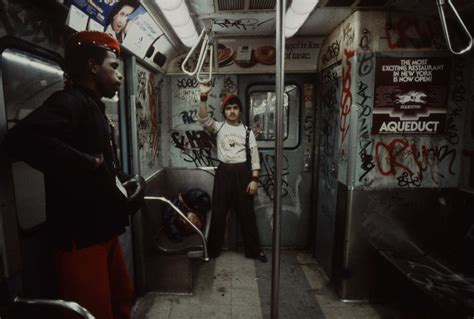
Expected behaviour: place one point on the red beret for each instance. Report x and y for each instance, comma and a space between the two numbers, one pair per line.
94, 38
227, 99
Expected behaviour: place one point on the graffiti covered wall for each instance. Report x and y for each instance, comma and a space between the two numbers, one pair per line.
364, 43
147, 122
190, 145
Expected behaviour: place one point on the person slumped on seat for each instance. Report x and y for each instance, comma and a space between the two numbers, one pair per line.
70, 139
236, 180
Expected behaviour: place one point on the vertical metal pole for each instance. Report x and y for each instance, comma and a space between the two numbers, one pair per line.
279, 110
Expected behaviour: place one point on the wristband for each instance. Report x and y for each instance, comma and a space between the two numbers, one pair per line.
203, 98
254, 179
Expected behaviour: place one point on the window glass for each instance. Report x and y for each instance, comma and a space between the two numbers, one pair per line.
261, 115
28, 80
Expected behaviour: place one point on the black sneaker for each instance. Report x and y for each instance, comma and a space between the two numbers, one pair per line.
262, 257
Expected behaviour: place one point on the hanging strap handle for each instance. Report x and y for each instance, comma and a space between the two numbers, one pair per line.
207, 37
441, 5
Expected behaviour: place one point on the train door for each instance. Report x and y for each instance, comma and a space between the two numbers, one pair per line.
29, 76
258, 95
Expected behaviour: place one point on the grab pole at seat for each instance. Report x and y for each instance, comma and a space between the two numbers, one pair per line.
73, 306
441, 4
186, 219
207, 37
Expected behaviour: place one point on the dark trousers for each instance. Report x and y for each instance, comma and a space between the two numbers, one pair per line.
230, 185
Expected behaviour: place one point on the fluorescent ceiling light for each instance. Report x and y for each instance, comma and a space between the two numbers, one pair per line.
177, 14
297, 14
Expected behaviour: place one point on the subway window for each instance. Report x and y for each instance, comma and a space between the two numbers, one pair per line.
262, 116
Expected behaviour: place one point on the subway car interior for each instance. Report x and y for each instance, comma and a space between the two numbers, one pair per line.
362, 213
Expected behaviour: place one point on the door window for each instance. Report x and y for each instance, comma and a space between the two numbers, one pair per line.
262, 120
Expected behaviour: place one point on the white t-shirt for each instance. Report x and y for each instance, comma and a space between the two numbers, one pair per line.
231, 142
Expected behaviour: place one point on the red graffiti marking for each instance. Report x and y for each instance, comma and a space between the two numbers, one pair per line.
400, 156
346, 95
409, 32
392, 153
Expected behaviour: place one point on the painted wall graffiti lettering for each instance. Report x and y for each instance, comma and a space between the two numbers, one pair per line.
365, 56
348, 34
185, 100
364, 102
402, 156
241, 24
190, 116
329, 74
366, 142
332, 52
264, 203
195, 147
346, 99
329, 103
267, 175
147, 121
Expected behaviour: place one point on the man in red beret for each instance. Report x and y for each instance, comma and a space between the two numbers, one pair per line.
236, 179
69, 138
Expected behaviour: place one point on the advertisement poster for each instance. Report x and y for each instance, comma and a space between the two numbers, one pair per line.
99, 10
250, 55
141, 33
128, 22
410, 95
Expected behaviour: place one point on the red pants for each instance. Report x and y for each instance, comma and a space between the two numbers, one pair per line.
96, 277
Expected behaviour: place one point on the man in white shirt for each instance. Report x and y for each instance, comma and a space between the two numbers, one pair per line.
236, 181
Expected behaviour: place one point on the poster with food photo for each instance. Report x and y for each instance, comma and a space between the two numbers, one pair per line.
250, 55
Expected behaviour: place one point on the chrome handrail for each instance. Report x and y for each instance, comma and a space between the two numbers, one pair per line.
186, 219
441, 4
70, 305
188, 56
210, 48
207, 38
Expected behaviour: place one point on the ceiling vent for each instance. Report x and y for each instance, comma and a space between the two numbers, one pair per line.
244, 5
372, 3
340, 3
262, 5
230, 5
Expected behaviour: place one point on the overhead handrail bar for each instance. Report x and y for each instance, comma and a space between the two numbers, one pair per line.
192, 73
441, 4
207, 38
186, 219
210, 49
73, 306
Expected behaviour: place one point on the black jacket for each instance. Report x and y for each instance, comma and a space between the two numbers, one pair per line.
60, 138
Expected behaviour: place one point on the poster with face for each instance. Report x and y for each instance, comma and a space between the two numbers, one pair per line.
147, 121
141, 32
111, 16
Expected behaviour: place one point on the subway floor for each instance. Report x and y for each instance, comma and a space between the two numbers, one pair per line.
233, 286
